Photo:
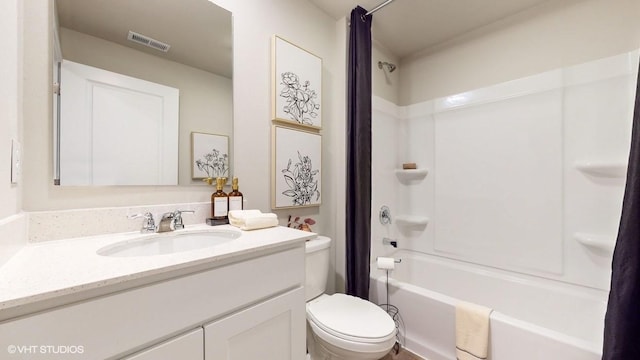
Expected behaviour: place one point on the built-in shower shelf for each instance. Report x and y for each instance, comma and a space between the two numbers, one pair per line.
411, 174
412, 220
595, 242
603, 169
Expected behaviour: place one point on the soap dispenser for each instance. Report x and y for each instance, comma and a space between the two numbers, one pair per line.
235, 196
220, 203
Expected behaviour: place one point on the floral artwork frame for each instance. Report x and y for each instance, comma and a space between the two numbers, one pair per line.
297, 168
209, 156
297, 85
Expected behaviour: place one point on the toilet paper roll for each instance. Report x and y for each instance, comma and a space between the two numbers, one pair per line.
386, 263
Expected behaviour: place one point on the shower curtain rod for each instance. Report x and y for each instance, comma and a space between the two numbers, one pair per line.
379, 7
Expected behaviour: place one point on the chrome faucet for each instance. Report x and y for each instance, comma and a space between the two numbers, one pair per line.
387, 241
177, 218
148, 224
172, 221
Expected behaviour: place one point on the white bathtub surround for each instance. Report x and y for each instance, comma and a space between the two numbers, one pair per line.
472, 331
521, 204
533, 318
525, 176
387, 155
14, 236
64, 224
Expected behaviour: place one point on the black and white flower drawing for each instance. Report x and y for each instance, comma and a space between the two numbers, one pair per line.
301, 100
302, 181
214, 164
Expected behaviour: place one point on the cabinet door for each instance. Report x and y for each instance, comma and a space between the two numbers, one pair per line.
271, 330
189, 346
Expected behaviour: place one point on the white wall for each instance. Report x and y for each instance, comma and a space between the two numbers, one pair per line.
9, 103
12, 222
554, 35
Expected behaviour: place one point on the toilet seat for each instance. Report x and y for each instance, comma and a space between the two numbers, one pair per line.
351, 323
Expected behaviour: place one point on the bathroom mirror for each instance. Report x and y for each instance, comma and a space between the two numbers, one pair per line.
145, 138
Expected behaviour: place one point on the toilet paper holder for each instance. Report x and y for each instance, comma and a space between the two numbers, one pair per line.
397, 261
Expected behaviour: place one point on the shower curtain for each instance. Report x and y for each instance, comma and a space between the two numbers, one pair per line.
622, 321
358, 207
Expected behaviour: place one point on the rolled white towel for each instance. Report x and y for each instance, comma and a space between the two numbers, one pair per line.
252, 219
472, 331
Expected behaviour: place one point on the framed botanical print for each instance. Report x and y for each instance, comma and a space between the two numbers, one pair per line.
209, 156
297, 85
297, 168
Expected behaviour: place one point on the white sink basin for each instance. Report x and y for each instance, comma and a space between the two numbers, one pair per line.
168, 243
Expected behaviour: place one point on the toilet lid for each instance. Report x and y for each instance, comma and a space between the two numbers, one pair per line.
349, 316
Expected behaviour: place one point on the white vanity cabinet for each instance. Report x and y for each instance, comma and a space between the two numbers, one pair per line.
189, 346
266, 331
247, 307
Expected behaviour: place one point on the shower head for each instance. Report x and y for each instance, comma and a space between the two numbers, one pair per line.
389, 66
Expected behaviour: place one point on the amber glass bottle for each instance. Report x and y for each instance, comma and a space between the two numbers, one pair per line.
219, 201
235, 196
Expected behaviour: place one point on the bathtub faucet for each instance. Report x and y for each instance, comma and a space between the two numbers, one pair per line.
387, 241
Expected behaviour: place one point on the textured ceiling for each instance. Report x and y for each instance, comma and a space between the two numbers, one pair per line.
405, 27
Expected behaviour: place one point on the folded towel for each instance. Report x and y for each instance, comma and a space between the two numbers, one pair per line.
252, 219
472, 331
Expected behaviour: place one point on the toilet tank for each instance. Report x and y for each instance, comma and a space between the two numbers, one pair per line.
316, 266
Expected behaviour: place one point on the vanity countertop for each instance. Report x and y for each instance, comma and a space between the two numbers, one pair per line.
53, 273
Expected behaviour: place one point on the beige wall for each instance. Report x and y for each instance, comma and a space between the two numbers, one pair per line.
551, 36
302, 23
13, 223
384, 83
206, 103
9, 103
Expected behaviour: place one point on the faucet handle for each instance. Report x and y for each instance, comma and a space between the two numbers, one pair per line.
177, 218
148, 225
168, 215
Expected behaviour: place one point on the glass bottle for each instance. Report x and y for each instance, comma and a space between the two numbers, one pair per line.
235, 196
219, 201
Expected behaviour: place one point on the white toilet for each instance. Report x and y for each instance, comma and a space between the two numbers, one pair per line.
340, 326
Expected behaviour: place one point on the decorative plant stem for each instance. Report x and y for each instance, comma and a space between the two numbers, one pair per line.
305, 225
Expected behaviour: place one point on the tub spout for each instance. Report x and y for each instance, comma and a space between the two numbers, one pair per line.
387, 241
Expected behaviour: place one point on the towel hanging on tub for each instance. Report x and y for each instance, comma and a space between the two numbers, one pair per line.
472, 331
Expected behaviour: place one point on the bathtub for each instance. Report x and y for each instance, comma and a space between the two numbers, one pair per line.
533, 318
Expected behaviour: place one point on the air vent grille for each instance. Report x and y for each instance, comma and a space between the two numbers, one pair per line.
147, 41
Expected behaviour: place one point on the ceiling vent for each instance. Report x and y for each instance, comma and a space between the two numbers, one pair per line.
147, 41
